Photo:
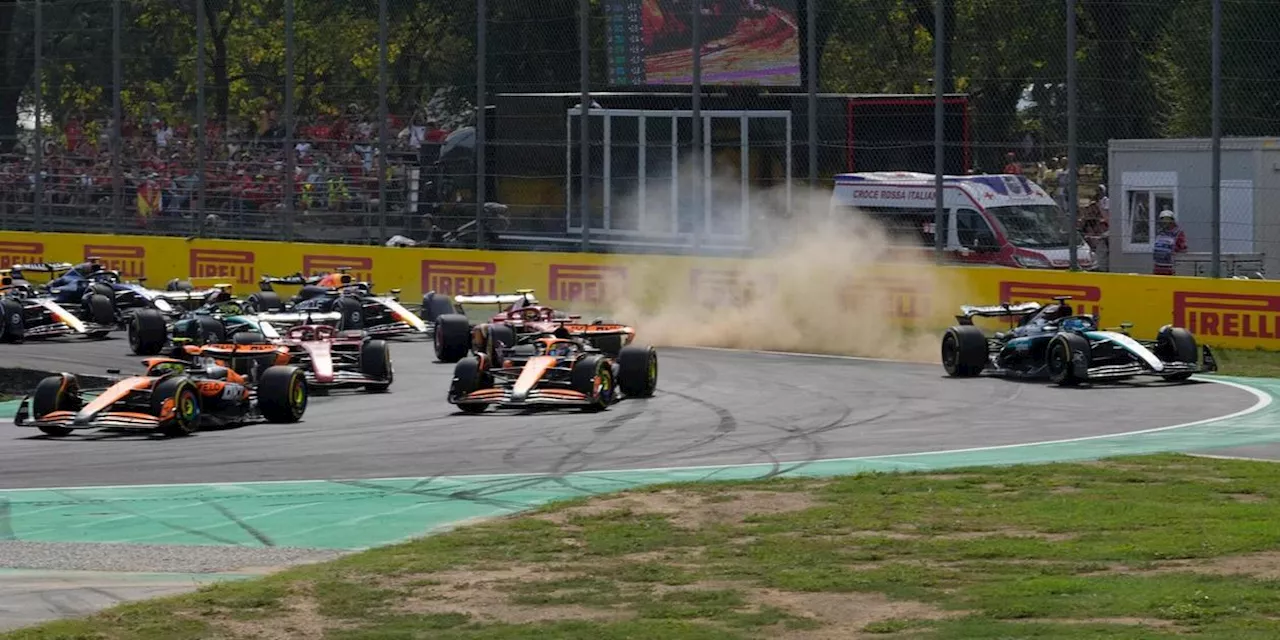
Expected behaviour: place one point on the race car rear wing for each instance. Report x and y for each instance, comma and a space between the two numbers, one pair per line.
296, 279
271, 323
1004, 310
596, 330
42, 267
521, 295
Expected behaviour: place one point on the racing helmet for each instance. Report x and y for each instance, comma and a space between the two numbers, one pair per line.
560, 349
1076, 324
1056, 312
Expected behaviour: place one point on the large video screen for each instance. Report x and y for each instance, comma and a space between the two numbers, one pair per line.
744, 43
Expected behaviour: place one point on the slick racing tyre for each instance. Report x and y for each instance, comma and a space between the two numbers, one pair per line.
452, 337
964, 351
593, 377
148, 332
435, 305
352, 311
263, 302
282, 394
494, 340
468, 378
13, 325
55, 393
101, 310
248, 337
375, 363
1175, 344
1065, 352
186, 406
638, 371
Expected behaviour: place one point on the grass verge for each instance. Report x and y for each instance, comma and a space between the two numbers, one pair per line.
1143, 547
1248, 363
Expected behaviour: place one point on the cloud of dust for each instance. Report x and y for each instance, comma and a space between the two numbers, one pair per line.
819, 283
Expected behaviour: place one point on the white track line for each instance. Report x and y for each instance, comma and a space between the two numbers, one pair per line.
1263, 401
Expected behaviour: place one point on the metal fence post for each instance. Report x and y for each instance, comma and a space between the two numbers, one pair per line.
290, 160
117, 117
939, 130
38, 71
382, 120
1215, 172
1073, 198
699, 207
812, 46
584, 120
482, 98
202, 121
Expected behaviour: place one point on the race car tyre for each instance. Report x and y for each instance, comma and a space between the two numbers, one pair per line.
205, 330
101, 310
610, 345
352, 313
55, 393
103, 289
1175, 344
964, 351
638, 371
282, 394
177, 284
375, 362
148, 332
435, 305
452, 337
593, 377
468, 377
186, 406
1063, 353
500, 334
263, 302
13, 325
249, 337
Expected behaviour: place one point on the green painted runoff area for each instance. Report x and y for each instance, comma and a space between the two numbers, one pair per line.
358, 514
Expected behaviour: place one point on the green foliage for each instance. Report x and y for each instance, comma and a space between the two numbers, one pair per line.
1143, 65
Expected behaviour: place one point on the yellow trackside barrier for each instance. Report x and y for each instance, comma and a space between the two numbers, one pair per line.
1228, 313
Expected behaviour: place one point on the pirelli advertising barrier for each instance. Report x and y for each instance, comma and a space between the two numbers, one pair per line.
1227, 313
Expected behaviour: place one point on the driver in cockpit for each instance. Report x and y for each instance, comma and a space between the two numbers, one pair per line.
1051, 314
560, 350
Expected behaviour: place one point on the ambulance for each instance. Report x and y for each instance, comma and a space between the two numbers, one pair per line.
999, 220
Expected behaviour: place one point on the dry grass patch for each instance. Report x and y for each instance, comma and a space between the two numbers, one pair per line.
690, 510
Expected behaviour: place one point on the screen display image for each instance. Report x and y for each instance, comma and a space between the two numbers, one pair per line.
744, 42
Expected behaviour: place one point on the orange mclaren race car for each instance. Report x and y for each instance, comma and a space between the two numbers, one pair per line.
554, 371
174, 397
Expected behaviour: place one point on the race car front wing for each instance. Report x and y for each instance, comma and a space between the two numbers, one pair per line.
67, 419
503, 397
340, 378
56, 328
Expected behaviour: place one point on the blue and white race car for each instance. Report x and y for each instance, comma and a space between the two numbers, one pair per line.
1050, 342
64, 306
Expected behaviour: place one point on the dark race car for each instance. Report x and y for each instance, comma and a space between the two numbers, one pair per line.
1051, 342
553, 370
359, 306
28, 311
174, 397
520, 317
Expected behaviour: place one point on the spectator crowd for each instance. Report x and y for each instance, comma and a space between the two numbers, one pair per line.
335, 174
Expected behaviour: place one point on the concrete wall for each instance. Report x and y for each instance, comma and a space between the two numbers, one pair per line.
1183, 167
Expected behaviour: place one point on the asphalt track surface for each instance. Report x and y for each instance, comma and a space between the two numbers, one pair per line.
712, 407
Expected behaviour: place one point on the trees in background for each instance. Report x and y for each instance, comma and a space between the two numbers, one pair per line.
1143, 66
